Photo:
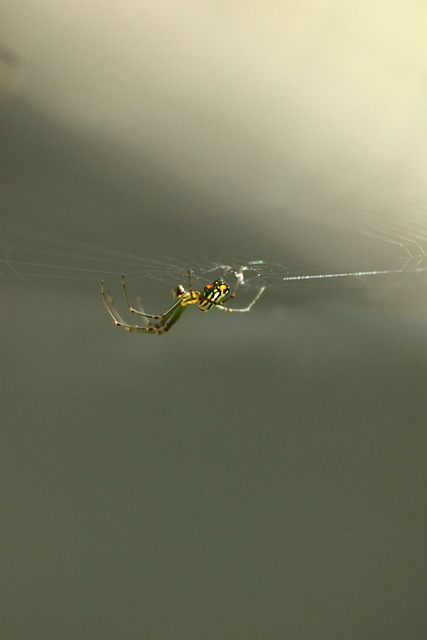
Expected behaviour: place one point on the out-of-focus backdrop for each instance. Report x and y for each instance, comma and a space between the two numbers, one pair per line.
254, 475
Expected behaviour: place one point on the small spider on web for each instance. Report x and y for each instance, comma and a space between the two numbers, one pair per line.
212, 296
393, 258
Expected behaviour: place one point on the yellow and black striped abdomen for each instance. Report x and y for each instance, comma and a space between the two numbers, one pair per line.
213, 294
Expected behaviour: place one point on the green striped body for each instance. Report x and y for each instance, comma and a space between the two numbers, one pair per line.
213, 294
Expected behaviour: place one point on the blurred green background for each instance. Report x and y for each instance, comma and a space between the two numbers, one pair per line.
245, 476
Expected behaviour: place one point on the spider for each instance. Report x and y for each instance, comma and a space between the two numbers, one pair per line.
212, 296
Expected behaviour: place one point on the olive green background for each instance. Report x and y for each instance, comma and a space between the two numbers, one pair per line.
245, 476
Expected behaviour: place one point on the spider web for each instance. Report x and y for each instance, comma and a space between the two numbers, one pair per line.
29, 255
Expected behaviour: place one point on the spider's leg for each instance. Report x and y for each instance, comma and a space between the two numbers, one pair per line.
141, 309
161, 327
234, 293
142, 313
174, 316
109, 305
190, 288
139, 312
136, 328
139, 303
118, 320
221, 307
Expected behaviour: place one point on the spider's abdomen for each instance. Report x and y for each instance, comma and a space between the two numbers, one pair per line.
213, 294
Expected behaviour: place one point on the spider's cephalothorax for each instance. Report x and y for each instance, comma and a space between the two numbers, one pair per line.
212, 296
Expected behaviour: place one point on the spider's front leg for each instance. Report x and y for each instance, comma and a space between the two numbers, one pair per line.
222, 307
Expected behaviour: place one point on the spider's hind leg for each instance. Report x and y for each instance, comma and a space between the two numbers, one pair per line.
110, 307
118, 320
132, 309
